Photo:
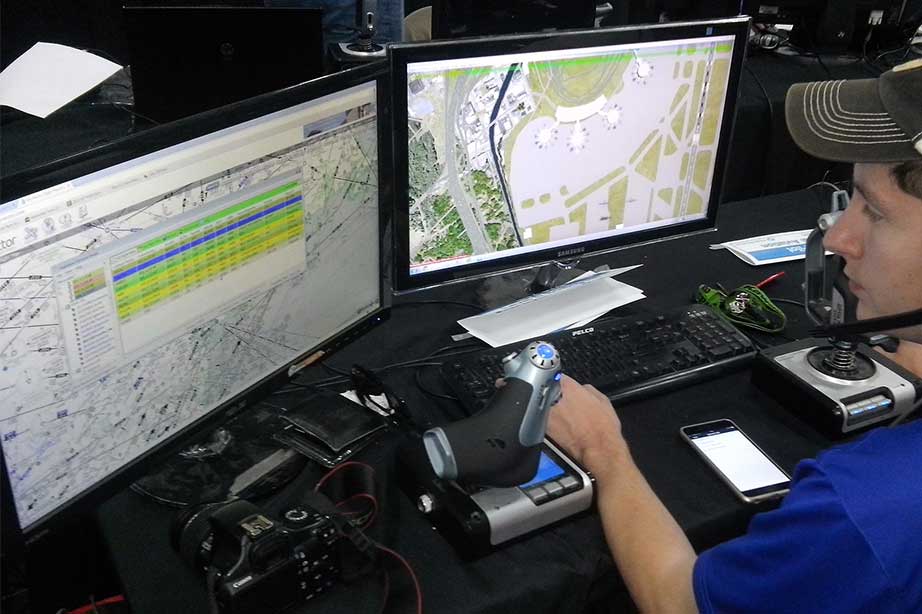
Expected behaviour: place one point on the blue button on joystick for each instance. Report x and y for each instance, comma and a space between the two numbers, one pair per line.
545, 351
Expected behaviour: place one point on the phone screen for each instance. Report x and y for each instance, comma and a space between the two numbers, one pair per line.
734, 455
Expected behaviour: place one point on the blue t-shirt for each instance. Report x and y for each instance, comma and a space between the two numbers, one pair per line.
847, 538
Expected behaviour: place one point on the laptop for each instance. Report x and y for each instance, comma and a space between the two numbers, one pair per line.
186, 59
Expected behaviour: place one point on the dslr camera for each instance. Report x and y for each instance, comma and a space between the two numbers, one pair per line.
258, 563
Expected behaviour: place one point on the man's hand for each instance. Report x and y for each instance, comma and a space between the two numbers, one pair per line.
586, 425
654, 556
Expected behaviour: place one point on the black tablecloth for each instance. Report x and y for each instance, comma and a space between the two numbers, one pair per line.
566, 568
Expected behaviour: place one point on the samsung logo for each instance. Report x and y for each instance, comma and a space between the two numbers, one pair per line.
571, 252
584, 331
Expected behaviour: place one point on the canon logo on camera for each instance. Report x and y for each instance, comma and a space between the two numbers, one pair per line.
7, 243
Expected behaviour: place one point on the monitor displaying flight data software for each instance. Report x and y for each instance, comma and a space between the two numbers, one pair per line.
151, 284
513, 151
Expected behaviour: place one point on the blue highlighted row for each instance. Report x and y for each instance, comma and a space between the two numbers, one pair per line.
205, 239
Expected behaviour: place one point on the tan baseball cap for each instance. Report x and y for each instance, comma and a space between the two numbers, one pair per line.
861, 120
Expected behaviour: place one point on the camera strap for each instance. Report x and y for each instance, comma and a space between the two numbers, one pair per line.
350, 487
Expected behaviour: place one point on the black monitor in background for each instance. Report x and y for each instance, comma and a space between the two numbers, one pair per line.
516, 151
153, 284
186, 59
836, 25
461, 18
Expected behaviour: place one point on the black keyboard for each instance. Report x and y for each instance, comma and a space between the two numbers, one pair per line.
626, 358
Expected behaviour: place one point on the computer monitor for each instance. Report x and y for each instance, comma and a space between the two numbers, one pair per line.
461, 18
187, 59
151, 285
515, 151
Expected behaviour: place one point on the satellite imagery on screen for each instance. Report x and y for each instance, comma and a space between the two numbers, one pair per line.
520, 152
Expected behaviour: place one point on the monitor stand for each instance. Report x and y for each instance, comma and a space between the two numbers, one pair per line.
508, 288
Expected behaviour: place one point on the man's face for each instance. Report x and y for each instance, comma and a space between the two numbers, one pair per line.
880, 237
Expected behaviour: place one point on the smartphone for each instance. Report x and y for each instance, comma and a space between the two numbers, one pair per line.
738, 461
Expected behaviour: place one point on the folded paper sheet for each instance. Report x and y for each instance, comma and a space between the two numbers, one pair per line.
579, 301
48, 76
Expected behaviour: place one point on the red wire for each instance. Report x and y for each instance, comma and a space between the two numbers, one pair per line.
387, 591
374, 502
363, 495
86, 609
769, 280
419, 592
338, 468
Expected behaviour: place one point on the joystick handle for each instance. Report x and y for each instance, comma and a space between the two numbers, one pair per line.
500, 445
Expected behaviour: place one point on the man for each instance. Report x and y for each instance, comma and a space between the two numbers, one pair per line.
848, 537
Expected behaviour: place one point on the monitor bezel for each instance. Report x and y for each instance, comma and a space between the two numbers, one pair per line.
400, 55
159, 137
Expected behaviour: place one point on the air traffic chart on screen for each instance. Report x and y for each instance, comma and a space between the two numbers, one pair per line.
534, 150
136, 300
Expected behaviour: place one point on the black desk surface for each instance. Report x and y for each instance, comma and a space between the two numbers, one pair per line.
566, 568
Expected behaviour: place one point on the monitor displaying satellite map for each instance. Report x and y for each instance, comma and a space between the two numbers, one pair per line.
527, 151
137, 299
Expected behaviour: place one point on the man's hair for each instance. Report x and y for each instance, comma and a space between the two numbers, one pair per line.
908, 176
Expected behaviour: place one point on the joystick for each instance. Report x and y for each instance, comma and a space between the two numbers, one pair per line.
500, 445
363, 47
836, 380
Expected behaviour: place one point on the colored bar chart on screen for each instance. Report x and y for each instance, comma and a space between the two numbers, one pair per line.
85, 285
193, 256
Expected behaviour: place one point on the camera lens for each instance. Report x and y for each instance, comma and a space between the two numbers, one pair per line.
190, 532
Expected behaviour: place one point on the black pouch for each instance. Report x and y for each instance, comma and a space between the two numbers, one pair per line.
327, 427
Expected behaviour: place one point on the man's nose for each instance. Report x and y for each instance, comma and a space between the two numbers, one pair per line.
845, 236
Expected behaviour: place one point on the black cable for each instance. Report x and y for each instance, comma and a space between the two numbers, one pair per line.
789, 301
293, 387
769, 340
211, 584
771, 126
463, 349
905, 49
819, 59
759, 345
811, 45
124, 107
419, 384
416, 362
333, 369
864, 46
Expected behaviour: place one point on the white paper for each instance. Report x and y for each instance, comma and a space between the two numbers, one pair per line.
380, 399
553, 310
769, 249
48, 76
